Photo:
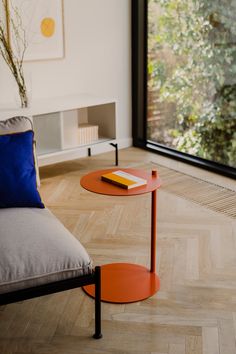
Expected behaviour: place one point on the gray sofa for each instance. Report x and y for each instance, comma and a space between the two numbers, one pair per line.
38, 255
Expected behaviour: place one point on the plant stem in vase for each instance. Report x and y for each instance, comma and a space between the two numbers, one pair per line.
23, 94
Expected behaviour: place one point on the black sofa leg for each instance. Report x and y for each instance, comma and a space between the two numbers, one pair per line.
97, 334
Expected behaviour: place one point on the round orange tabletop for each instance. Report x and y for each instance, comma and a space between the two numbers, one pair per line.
125, 282
93, 183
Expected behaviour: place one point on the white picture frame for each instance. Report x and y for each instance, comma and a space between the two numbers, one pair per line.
42, 21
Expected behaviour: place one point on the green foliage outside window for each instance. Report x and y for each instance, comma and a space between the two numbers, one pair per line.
192, 67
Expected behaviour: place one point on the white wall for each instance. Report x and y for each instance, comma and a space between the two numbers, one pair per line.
97, 59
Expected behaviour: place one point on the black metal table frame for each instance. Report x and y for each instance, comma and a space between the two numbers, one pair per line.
29, 293
115, 145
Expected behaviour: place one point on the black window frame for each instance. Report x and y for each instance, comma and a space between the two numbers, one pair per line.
139, 96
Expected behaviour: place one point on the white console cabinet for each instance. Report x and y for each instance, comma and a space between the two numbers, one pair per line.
56, 122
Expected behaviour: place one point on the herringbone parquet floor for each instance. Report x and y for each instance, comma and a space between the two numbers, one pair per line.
193, 313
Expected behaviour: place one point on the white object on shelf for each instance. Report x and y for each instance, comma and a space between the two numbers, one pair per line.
57, 123
87, 133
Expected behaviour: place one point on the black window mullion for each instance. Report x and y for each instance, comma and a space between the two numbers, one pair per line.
139, 71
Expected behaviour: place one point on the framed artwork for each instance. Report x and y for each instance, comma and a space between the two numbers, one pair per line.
43, 27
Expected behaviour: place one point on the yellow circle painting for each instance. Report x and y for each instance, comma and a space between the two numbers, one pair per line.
48, 27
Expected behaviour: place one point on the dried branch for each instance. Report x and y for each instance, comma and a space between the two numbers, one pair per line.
13, 53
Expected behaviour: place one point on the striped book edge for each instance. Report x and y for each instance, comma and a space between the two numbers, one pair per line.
123, 179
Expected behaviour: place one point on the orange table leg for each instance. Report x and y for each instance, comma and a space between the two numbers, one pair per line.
125, 283
153, 231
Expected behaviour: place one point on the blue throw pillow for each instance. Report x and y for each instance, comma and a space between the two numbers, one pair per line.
17, 171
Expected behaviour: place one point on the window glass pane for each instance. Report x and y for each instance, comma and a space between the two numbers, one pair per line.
192, 77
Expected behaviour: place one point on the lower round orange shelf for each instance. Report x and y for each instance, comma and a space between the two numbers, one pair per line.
125, 283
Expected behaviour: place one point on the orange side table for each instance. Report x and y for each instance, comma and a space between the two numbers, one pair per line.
125, 282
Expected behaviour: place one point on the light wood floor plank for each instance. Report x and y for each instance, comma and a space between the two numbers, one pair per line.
210, 340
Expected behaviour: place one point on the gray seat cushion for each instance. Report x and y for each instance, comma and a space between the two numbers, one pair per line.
36, 249
15, 125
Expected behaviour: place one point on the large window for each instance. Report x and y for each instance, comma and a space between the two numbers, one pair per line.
189, 80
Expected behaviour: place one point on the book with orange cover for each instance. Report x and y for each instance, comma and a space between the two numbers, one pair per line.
123, 179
